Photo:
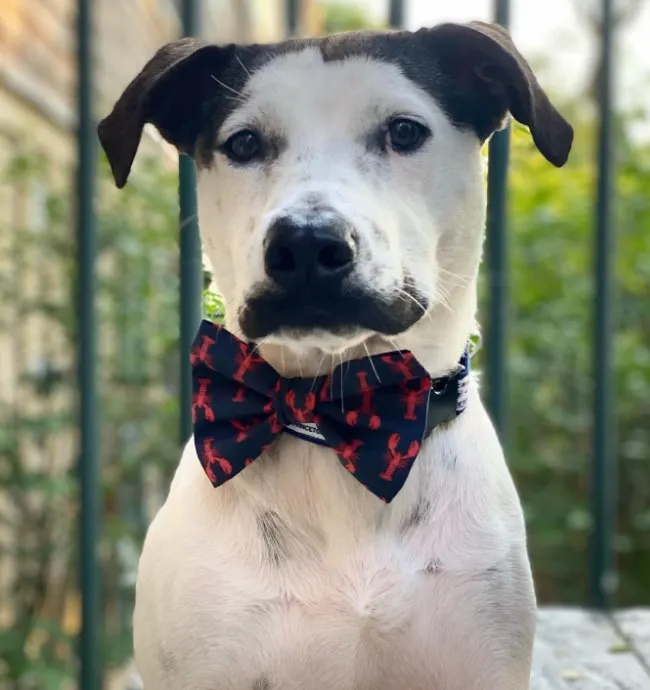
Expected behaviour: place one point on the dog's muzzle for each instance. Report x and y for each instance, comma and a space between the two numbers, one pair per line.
312, 285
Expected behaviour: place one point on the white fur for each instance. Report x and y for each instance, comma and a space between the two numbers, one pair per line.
362, 602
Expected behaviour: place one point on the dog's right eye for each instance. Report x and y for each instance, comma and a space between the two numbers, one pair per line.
406, 136
243, 147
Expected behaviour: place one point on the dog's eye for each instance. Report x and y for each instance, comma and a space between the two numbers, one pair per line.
243, 147
406, 135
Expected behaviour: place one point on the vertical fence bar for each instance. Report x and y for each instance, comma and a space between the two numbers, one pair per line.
89, 480
293, 16
496, 258
396, 14
603, 494
191, 269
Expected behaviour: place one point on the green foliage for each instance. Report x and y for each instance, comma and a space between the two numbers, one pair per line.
213, 308
552, 219
345, 16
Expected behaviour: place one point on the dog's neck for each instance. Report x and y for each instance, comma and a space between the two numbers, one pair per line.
437, 341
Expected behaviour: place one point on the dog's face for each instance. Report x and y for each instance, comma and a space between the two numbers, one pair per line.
331, 187
340, 180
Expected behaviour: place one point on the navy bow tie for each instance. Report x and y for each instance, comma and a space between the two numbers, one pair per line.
373, 412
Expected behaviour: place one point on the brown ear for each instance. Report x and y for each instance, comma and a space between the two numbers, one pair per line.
171, 93
488, 78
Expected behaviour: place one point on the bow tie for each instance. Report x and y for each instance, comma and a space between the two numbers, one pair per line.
374, 412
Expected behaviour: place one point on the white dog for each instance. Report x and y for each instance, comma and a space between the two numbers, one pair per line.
342, 206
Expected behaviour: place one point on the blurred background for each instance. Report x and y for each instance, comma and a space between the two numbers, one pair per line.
565, 308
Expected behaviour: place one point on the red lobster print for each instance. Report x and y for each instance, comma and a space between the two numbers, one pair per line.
402, 365
246, 361
263, 450
200, 354
211, 458
202, 401
304, 414
268, 407
413, 398
276, 425
242, 429
396, 460
348, 452
367, 393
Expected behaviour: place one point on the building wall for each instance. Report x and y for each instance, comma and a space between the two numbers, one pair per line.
37, 47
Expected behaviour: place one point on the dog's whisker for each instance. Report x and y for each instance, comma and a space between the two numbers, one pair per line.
236, 99
372, 364
258, 344
313, 383
341, 369
443, 302
395, 345
455, 275
242, 65
404, 293
442, 297
462, 281
239, 95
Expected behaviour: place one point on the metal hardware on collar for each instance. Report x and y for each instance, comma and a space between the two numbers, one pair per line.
451, 395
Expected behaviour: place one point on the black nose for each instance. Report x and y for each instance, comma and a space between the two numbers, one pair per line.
309, 255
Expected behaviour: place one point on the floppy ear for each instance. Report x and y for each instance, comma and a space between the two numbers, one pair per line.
488, 77
171, 92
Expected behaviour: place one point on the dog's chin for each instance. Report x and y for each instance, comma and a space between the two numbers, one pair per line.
301, 343
331, 323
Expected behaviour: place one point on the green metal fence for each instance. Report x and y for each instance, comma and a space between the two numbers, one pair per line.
600, 567
89, 458
602, 581
191, 271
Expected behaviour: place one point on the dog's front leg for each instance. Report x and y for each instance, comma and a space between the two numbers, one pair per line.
494, 626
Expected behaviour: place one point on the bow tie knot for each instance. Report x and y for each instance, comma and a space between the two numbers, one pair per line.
295, 401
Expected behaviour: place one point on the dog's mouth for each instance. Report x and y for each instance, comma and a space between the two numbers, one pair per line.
343, 313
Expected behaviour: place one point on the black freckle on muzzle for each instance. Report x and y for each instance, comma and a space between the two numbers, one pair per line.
341, 308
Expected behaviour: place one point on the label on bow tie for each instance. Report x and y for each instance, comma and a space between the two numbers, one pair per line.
306, 430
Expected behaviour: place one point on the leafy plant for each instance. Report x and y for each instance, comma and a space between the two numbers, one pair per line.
345, 16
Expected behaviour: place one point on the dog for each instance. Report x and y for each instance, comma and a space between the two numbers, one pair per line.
341, 196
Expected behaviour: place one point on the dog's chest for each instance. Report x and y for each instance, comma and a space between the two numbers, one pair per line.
296, 619
298, 579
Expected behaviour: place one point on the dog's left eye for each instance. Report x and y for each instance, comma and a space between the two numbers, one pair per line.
243, 147
406, 136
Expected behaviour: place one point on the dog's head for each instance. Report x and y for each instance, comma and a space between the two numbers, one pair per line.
340, 180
